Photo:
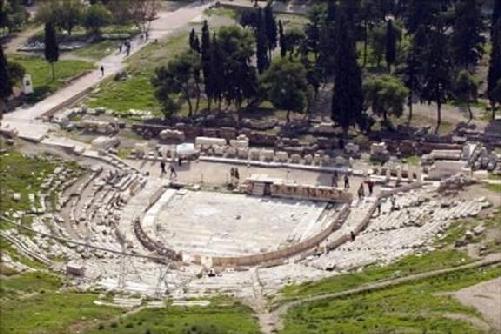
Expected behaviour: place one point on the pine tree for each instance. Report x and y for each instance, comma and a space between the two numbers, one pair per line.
271, 29
467, 37
5, 82
437, 72
261, 44
494, 74
348, 96
51, 46
391, 45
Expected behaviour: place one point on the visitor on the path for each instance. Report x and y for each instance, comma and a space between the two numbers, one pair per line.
346, 181
173, 173
102, 70
179, 161
127, 47
370, 185
162, 167
393, 203
120, 48
335, 178
361, 191
379, 208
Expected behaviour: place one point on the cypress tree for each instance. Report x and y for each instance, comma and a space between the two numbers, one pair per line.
413, 67
331, 10
283, 42
391, 47
5, 81
496, 13
494, 74
206, 53
261, 44
437, 72
51, 46
348, 96
192, 39
467, 39
271, 29
217, 71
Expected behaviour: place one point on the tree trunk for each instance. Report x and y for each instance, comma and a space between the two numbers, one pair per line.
3, 107
190, 106
439, 115
53, 73
493, 107
409, 105
366, 41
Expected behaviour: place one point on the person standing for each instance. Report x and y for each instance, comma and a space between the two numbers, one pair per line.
102, 70
346, 181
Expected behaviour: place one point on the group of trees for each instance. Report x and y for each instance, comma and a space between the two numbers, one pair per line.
431, 50
68, 14
234, 66
12, 15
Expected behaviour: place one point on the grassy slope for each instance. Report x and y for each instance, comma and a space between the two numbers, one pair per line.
410, 308
137, 91
41, 73
31, 303
409, 265
98, 50
217, 318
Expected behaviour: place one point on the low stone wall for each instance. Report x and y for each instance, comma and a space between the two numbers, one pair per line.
256, 259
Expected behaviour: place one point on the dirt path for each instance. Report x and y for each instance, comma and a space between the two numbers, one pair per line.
26, 120
273, 321
20, 39
486, 298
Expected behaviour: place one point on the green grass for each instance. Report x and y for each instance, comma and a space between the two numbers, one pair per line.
218, 319
24, 175
32, 303
414, 160
494, 187
97, 51
21, 174
41, 73
221, 11
137, 91
416, 307
411, 264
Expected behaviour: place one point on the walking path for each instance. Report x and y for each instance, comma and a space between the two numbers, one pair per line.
272, 322
26, 120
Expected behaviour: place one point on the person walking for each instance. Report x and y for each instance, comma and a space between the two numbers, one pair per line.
370, 185
102, 70
162, 167
346, 181
335, 178
361, 192
173, 173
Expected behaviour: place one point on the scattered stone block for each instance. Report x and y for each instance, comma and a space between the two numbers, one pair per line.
282, 156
